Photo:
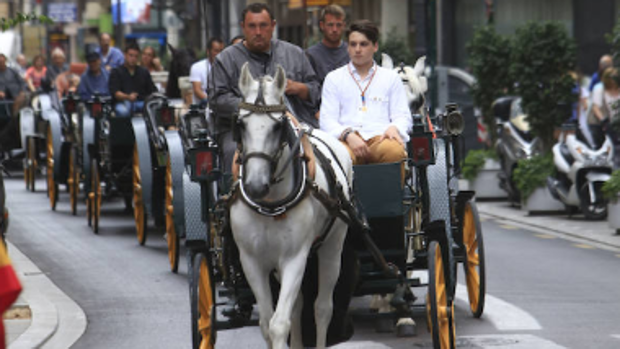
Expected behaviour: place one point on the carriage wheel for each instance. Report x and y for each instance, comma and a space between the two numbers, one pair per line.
52, 187
439, 309
73, 181
474, 259
27, 166
32, 162
139, 213
171, 233
202, 299
94, 197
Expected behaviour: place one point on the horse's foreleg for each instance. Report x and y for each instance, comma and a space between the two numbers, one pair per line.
296, 333
258, 279
292, 272
330, 258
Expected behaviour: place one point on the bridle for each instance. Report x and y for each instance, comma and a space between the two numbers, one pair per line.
290, 136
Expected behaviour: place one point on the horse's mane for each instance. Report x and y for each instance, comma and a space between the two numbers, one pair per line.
180, 65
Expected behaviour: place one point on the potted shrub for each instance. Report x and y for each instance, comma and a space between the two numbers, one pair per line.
611, 191
480, 169
530, 177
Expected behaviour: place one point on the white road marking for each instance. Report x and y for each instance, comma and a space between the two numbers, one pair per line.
503, 315
503, 341
360, 344
616, 336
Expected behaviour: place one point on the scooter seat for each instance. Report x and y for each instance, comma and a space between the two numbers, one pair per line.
566, 154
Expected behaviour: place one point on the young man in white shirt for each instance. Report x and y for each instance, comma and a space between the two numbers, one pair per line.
365, 105
200, 71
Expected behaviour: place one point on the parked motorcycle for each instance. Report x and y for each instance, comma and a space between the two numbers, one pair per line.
515, 141
581, 172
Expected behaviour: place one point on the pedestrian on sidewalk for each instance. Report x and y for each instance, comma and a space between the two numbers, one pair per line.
10, 287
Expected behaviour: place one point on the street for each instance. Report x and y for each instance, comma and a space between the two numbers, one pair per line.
542, 291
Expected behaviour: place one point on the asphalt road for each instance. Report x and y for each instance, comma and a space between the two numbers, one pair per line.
542, 291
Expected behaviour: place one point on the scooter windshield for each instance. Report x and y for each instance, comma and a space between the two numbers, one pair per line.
517, 117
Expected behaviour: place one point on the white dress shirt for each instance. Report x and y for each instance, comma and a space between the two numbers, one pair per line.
386, 103
200, 73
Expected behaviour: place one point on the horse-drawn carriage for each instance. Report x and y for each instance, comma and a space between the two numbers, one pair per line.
396, 227
64, 149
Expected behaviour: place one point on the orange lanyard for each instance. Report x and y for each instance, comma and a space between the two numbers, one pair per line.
359, 86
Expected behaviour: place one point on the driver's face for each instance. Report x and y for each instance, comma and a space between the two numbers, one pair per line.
258, 30
131, 58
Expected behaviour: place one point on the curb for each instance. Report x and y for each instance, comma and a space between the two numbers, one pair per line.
528, 223
57, 321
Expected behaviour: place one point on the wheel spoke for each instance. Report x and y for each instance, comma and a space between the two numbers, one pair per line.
205, 305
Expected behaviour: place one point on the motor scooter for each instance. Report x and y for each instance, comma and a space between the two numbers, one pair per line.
581, 172
515, 141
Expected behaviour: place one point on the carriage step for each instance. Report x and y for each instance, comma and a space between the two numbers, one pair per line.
230, 325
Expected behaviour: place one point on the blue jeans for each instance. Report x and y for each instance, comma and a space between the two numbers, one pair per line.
123, 109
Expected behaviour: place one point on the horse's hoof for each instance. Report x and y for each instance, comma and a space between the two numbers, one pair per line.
384, 325
406, 328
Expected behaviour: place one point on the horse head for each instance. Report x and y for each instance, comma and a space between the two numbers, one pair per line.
413, 78
180, 65
260, 129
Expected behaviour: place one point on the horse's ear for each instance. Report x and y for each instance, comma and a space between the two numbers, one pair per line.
386, 61
280, 79
171, 48
418, 69
245, 79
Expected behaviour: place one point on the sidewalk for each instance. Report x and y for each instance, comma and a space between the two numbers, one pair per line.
576, 227
43, 316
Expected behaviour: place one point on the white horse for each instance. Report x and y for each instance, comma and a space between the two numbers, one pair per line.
414, 80
276, 216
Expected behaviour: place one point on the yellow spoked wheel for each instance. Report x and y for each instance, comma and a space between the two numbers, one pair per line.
171, 233
139, 213
474, 259
73, 181
94, 197
52, 187
439, 308
31, 163
202, 304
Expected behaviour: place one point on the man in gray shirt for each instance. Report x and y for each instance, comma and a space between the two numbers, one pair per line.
263, 55
331, 52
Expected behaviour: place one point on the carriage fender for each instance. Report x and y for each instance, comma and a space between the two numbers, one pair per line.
53, 118
27, 125
177, 166
141, 135
597, 176
88, 142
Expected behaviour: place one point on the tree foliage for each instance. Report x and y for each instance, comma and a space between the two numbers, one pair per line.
543, 55
7, 23
489, 59
397, 48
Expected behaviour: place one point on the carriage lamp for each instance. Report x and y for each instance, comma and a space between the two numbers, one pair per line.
203, 158
453, 121
421, 151
69, 103
194, 120
166, 115
96, 108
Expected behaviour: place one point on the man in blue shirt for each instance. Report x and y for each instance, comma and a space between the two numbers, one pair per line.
95, 79
111, 57
605, 62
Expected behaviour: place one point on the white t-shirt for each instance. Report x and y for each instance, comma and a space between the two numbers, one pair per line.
604, 100
199, 73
